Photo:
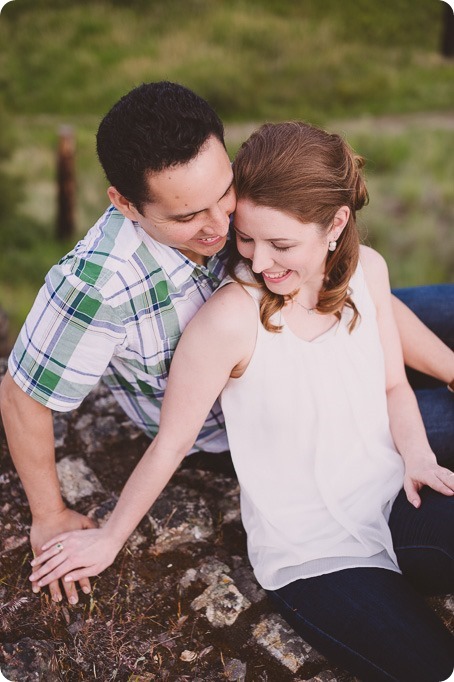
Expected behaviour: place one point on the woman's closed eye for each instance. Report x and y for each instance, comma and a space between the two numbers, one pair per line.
248, 240
280, 248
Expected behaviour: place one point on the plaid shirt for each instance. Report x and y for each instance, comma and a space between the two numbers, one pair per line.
114, 308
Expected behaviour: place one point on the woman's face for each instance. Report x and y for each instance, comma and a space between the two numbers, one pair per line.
286, 252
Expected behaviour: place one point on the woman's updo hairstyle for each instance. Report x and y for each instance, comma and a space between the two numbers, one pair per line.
309, 174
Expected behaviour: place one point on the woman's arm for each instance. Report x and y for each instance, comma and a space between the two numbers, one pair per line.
422, 349
220, 337
406, 424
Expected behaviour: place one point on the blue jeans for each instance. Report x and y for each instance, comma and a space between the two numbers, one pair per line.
375, 622
371, 622
434, 305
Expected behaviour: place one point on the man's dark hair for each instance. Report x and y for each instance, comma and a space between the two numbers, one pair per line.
154, 126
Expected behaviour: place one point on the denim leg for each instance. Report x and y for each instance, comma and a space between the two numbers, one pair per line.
437, 411
434, 305
371, 622
424, 540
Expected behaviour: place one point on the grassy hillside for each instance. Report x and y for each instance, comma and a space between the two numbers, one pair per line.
253, 59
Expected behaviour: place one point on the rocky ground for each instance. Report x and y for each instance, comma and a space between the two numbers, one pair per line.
179, 603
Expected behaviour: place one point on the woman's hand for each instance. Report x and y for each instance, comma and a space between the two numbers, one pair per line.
42, 530
426, 472
75, 555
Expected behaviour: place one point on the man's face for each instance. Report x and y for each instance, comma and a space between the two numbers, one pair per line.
192, 204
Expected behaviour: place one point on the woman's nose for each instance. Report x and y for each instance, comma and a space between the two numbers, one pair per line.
261, 260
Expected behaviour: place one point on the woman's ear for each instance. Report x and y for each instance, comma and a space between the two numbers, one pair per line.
339, 222
122, 204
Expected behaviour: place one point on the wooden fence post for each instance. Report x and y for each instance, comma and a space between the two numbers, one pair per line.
66, 184
447, 43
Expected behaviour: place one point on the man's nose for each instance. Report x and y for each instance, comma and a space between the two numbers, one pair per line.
219, 221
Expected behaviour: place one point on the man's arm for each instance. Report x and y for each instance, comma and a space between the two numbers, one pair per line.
422, 349
29, 431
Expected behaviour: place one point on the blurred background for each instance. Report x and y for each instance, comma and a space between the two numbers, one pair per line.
380, 73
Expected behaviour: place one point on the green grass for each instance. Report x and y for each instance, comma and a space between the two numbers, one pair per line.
254, 60
411, 211
257, 59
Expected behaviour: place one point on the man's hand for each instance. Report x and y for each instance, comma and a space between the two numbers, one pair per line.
44, 530
74, 556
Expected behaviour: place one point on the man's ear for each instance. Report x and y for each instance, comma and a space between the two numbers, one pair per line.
122, 204
339, 222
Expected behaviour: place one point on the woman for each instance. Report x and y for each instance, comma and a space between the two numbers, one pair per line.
339, 486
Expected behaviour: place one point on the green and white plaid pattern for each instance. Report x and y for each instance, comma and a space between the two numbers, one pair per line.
114, 308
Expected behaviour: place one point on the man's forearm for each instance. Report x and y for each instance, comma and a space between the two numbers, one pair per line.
422, 349
29, 431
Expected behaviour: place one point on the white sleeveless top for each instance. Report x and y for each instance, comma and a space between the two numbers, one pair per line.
308, 430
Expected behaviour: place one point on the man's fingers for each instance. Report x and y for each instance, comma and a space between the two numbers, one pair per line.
71, 592
55, 592
85, 585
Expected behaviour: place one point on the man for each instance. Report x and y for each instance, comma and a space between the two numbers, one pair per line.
117, 304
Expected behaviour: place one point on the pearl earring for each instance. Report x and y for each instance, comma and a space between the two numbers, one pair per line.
332, 245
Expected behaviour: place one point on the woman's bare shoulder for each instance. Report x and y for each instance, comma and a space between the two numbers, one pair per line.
371, 259
375, 273
230, 311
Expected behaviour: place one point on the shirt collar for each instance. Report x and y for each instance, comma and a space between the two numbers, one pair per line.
178, 267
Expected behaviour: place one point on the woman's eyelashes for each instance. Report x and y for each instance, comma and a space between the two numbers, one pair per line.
246, 240
280, 248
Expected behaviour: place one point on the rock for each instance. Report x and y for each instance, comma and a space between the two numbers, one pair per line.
245, 580
235, 670
281, 641
212, 570
188, 656
76, 479
61, 431
13, 542
106, 429
223, 602
101, 514
179, 516
30, 661
229, 506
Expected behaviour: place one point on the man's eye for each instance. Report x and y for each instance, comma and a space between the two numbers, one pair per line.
186, 219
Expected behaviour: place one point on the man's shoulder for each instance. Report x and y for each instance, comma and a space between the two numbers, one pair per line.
111, 255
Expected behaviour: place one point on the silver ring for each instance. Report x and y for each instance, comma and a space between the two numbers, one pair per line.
59, 546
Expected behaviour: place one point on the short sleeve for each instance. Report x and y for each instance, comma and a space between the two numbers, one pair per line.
66, 343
